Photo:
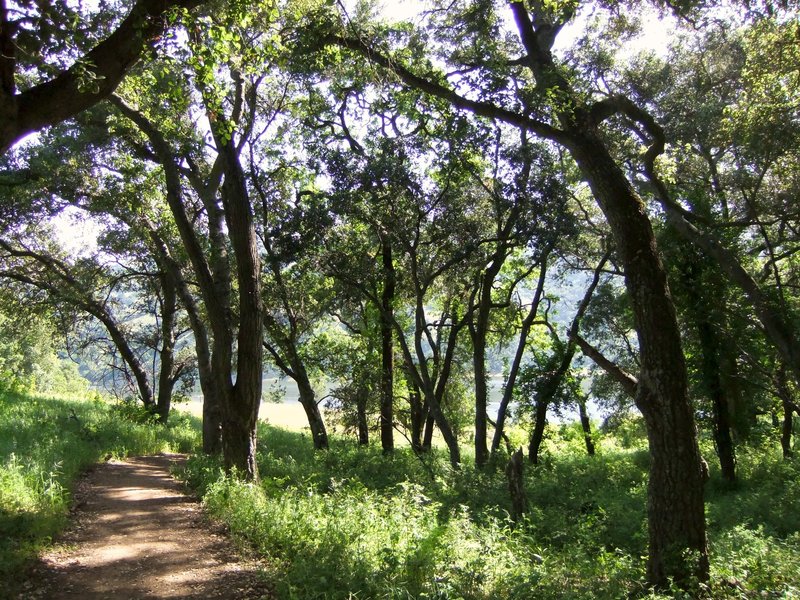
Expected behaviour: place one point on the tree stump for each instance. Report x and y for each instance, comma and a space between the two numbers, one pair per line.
516, 485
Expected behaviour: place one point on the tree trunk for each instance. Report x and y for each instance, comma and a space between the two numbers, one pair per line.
527, 323
239, 429
516, 485
427, 438
710, 365
537, 435
129, 356
676, 514
169, 310
361, 415
309, 402
212, 415
387, 347
417, 418
586, 426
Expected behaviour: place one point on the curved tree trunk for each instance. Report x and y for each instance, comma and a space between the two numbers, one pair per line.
676, 513
309, 402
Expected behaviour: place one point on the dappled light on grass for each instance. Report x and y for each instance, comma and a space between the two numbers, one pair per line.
352, 521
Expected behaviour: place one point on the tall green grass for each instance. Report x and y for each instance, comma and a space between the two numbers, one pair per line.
45, 443
352, 523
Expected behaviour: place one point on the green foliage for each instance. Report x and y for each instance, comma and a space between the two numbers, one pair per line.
45, 443
28, 361
351, 522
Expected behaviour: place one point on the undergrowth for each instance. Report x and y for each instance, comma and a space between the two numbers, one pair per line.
45, 443
352, 523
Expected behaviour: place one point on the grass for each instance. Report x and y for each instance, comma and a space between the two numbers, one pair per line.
352, 523
45, 443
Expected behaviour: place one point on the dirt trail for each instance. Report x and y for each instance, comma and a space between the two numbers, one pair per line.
136, 535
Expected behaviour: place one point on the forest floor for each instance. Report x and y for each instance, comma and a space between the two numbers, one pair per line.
134, 533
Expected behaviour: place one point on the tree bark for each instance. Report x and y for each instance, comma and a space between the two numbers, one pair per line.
169, 313
241, 413
676, 513
516, 485
535, 443
586, 426
387, 346
308, 400
479, 328
427, 437
417, 417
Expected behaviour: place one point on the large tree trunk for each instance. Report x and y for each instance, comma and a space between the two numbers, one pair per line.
213, 280
239, 429
387, 348
676, 516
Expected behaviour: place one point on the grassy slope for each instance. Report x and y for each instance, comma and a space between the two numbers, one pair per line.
352, 523
44, 445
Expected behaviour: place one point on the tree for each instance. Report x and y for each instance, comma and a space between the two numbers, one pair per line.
550, 105
40, 33
296, 295
553, 372
732, 117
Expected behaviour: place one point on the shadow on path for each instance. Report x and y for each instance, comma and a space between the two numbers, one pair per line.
136, 535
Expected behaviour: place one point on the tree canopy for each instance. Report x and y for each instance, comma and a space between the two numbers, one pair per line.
413, 211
